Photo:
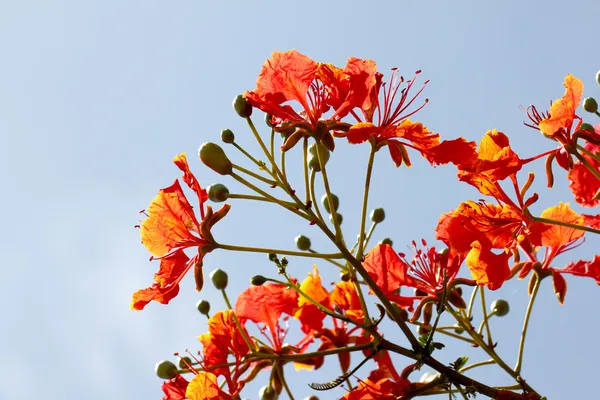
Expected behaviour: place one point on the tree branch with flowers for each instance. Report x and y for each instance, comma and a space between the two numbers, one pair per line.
315, 108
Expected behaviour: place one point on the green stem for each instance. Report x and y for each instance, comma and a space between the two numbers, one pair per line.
589, 153
487, 349
370, 233
304, 356
278, 251
259, 164
250, 344
313, 174
472, 302
266, 151
534, 292
566, 225
255, 175
461, 391
279, 370
485, 318
258, 198
587, 164
361, 241
338, 232
477, 364
330, 261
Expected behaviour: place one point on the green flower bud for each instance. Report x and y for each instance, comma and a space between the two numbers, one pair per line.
334, 199
273, 257
267, 393
213, 156
344, 276
203, 306
219, 279
184, 362
590, 104
302, 242
313, 159
258, 280
377, 215
339, 218
242, 107
268, 120
227, 136
458, 329
387, 241
217, 193
598, 77
500, 307
165, 369
586, 127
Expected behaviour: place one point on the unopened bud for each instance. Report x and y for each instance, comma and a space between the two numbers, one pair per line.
344, 276
165, 369
459, 330
500, 307
586, 127
302, 242
242, 107
185, 362
268, 120
378, 215
334, 200
213, 156
313, 158
273, 257
217, 193
219, 279
267, 393
598, 77
227, 136
203, 306
338, 218
258, 280
387, 241
590, 104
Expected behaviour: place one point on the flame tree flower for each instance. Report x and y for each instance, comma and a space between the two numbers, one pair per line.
172, 227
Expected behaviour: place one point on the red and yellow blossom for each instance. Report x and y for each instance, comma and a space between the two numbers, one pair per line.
204, 386
584, 184
174, 389
172, 227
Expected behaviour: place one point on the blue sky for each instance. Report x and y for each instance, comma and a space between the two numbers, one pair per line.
97, 98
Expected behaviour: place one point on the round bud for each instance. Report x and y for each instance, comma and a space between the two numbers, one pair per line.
258, 280
219, 279
334, 199
273, 257
267, 393
203, 306
590, 104
458, 329
313, 158
242, 107
184, 362
500, 307
268, 120
217, 193
213, 156
586, 127
166, 369
302, 242
338, 217
598, 77
344, 276
387, 241
227, 136
377, 215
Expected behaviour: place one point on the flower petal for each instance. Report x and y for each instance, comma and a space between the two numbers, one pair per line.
204, 386
487, 268
562, 111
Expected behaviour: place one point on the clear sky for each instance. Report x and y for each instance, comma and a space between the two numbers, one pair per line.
97, 97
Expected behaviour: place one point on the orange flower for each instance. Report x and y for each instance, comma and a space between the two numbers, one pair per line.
487, 268
170, 228
344, 296
204, 386
309, 314
558, 123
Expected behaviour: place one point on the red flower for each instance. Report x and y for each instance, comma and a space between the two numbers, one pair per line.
204, 386
170, 228
175, 388
584, 184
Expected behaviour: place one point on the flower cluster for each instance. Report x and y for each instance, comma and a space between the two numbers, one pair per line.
482, 243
